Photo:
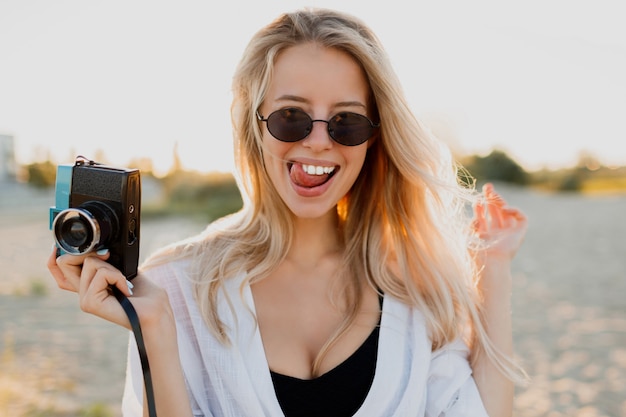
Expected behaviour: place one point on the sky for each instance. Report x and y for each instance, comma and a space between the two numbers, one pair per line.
542, 80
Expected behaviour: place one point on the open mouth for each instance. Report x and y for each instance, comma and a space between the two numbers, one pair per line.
310, 176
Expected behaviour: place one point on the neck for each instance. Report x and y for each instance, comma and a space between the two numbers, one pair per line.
315, 239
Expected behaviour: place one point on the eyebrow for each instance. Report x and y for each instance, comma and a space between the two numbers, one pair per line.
298, 99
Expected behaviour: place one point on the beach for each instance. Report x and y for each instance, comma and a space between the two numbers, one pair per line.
569, 311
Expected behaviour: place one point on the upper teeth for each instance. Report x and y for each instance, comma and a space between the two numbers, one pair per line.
317, 170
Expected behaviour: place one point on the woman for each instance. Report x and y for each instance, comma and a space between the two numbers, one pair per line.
351, 282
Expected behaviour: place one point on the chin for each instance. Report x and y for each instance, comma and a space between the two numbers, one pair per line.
309, 211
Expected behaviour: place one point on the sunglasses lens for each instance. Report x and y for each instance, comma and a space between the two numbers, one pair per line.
289, 125
350, 129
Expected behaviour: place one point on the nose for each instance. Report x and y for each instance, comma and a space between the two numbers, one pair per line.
319, 139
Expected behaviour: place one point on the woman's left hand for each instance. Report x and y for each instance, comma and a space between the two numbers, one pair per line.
500, 228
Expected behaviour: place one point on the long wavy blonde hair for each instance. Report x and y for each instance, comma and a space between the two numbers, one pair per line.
405, 223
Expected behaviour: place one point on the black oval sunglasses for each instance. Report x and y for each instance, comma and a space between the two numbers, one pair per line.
292, 124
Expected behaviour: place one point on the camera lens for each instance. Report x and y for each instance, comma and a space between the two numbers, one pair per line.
76, 231
85, 228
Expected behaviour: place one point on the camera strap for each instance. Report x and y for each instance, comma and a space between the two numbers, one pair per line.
143, 356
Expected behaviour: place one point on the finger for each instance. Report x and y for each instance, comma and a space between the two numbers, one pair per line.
106, 273
492, 201
496, 216
57, 274
71, 266
479, 222
95, 292
493, 196
515, 212
476, 226
495, 206
479, 212
516, 216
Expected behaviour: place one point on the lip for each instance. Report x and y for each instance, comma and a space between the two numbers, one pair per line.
311, 191
310, 161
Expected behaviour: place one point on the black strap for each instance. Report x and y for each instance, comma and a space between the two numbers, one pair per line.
143, 356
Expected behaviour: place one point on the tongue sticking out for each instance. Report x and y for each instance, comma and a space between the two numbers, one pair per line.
302, 179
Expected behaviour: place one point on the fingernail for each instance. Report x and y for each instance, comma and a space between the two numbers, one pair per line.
102, 252
130, 287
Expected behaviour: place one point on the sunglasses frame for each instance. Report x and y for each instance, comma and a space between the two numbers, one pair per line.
373, 125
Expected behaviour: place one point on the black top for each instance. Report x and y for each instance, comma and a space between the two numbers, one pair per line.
337, 393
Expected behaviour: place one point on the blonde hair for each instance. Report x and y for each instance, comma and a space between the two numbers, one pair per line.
404, 224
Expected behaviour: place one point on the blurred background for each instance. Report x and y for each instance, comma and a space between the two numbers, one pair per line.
531, 96
132, 80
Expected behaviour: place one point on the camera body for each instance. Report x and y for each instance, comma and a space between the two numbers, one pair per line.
98, 206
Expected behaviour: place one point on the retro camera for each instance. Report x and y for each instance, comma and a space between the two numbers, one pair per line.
98, 206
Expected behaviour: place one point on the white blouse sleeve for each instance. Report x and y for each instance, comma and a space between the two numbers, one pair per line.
132, 400
452, 391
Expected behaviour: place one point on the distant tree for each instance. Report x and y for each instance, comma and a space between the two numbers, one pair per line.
572, 181
574, 178
497, 166
41, 174
177, 164
212, 195
99, 156
145, 165
588, 161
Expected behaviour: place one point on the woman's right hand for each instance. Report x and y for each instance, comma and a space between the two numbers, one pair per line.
90, 276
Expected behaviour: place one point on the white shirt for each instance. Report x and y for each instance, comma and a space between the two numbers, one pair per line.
235, 381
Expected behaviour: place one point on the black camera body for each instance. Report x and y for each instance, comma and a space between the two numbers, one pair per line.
98, 206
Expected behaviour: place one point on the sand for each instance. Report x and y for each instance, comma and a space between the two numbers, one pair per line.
569, 311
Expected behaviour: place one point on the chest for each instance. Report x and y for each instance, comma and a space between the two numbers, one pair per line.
307, 332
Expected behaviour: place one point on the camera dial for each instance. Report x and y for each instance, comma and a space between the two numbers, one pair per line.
85, 228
